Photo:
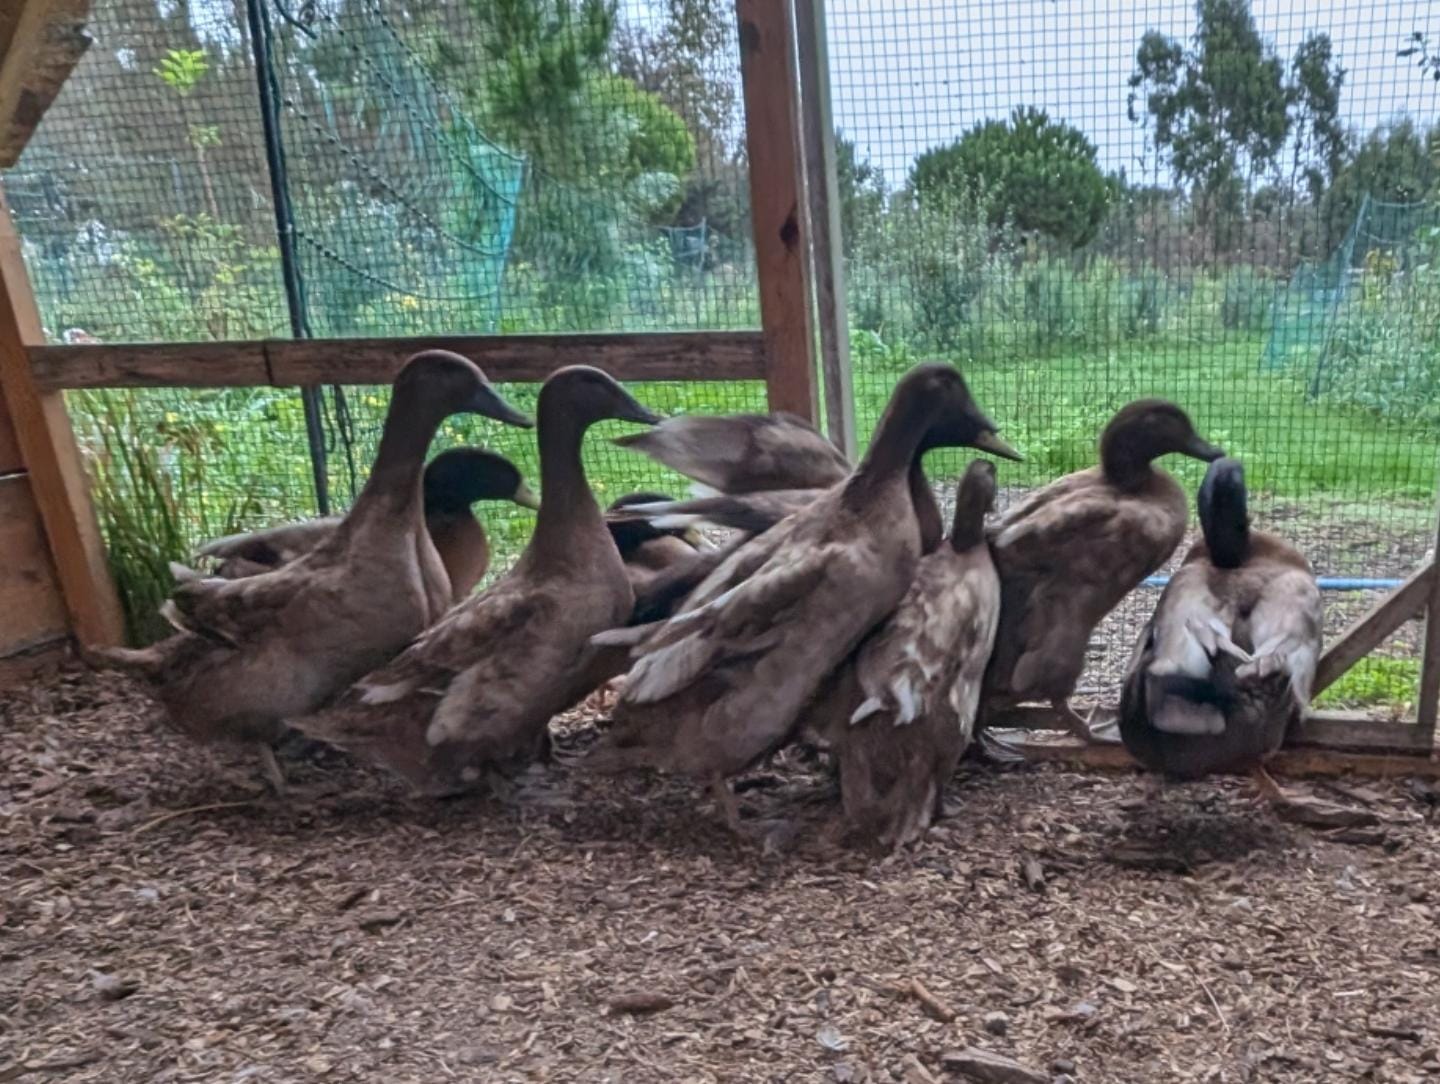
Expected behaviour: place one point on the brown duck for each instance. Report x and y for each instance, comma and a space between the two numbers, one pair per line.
901, 711
474, 694
1068, 552
1225, 666
454, 480
251, 653
723, 682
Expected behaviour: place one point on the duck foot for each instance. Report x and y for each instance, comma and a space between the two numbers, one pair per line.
1077, 726
270, 768
1309, 811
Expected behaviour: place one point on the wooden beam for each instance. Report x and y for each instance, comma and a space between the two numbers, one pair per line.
1370, 630
697, 355
10, 461
822, 189
52, 460
1428, 703
1287, 762
31, 611
41, 41
777, 211
1355, 731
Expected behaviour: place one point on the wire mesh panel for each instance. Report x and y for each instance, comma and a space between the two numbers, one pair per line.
1229, 204
486, 167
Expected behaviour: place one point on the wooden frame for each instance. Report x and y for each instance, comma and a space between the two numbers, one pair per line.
695, 355
772, 140
822, 195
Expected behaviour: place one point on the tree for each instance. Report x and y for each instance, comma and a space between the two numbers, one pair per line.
1396, 163
1222, 109
1037, 174
862, 194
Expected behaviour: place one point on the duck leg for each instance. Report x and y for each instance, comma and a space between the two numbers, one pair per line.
1309, 811
726, 801
1077, 726
270, 768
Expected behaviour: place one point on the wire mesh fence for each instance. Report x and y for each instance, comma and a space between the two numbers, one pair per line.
1229, 204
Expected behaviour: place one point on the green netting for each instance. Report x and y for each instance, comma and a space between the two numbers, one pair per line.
397, 199
1360, 326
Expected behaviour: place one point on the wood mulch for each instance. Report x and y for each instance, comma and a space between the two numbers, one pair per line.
161, 920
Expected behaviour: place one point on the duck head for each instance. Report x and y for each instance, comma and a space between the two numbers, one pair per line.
974, 497
449, 384
584, 395
1147, 429
955, 418
631, 534
456, 479
1224, 515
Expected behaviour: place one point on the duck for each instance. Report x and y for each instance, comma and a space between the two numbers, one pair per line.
1068, 552
648, 548
900, 712
453, 481
1226, 664
723, 682
470, 700
743, 453
249, 654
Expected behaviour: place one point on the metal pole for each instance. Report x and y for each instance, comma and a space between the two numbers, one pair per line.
285, 232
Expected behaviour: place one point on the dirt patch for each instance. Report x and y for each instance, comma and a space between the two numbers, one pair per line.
609, 930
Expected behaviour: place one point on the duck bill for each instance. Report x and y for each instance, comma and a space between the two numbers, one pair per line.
526, 497
989, 441
631, 410
1203, 449
487, 401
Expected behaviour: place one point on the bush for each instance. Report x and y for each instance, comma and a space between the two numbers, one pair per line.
1039, 174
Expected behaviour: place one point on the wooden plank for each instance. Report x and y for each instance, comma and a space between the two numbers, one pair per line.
10, 458
767, 69
1369, 631
150, 365
1287, 762
822, 189
31, 609
42, 41
56, 473
1428, 704
697, 355
689, 355
1354, 731
37, 663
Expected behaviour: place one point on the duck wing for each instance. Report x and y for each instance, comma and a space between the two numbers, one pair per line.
248, 553
1285, 629
752, 513
236, 611
742, 453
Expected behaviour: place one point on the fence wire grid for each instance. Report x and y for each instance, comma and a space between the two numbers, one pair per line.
1055, 196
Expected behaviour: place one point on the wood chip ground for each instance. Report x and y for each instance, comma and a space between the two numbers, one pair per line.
162, 920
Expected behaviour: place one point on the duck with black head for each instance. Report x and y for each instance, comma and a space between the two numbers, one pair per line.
454, 480
1225, 666
1068, 552
253, 652
474, 695
724, 681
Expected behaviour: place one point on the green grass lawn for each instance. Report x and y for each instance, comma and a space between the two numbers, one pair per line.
184, 466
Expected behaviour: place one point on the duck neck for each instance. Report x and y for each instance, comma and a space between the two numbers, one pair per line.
1227, 537
1125, 459
927, 510
897, 446
968, 529
567, 506
394, 484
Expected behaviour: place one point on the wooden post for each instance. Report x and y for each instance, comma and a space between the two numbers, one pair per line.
47, 445
767, 68
822, 187
1429, 700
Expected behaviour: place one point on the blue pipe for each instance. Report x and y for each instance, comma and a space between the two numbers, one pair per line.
1327, 583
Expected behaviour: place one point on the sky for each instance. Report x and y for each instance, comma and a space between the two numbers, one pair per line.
909, 74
